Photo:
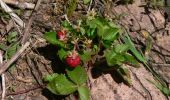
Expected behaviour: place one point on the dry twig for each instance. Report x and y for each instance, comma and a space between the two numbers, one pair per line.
5, 66
3, 78
26, 30
28, 90
22, 5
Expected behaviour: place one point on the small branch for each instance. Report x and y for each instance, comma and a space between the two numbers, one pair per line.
5, 66
26, 91
26, 30
3, 78
91, 1
3, 86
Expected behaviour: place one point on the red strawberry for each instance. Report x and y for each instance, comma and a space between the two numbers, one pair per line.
73, 60
61, 35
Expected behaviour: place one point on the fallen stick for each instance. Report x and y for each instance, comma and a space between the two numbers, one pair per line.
26, 30
5, 66
3, 78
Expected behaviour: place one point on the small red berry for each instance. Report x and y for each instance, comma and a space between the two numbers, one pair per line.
73, 60
61, 35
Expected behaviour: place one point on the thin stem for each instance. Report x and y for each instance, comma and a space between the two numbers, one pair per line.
3, 78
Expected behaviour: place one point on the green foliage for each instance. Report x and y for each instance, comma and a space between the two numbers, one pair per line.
12, 37
52, 38
11, 50
60, 85
163, 88
10, 46
84, 93
62, 54
128, 41
86, 56
94, 38
74, 80
77, 75
4, 14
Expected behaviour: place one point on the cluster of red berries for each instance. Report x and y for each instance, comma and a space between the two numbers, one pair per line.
73, 59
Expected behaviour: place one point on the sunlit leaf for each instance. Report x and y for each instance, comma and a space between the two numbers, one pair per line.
128, 41
52, 38
62, 54
78, 75
84, 93
12, 37
121, 48
86, 56
49, 78
60, 85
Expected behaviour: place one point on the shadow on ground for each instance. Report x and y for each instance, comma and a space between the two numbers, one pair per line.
50, 53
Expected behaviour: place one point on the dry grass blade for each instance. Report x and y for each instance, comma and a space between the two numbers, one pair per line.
12, 14
23, 5
3, 78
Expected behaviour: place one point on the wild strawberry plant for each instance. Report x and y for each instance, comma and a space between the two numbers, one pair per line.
93, 40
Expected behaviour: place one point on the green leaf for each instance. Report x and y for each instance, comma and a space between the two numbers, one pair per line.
60, 85
102, 29
3, 46
67, 25
107, 43
84, 93
62, 54
164, 89
125, 74
121, 48
86, 56
92, 23
11, 50
12, 37
110, 34
71, 7
49, 78
78, 75
110, 55
86, 1
130, 59
128, 41
51, 37
113, 58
